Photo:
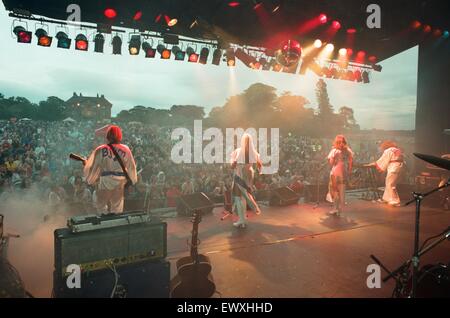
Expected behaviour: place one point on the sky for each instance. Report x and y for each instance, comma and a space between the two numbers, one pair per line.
33, 72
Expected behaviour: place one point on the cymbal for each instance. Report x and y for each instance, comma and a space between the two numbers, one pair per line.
438, 162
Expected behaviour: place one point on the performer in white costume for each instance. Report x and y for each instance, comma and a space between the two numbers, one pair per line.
392, 163
103, 167
242, 161
341, 162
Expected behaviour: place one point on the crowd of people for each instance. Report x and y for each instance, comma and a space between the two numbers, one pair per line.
34, 156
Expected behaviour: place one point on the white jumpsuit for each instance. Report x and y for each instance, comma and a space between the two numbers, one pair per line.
391, 162
103, 166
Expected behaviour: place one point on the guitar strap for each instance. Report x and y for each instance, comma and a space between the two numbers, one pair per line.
122, 165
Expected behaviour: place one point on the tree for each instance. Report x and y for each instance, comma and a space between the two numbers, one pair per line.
323, 101
52, 109
19, 107
348, 118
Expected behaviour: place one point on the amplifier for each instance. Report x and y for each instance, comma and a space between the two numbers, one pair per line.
283, 197
146, 279
100, 248
188, 204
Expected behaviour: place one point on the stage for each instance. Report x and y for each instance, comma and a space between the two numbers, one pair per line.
294, 251
299, 251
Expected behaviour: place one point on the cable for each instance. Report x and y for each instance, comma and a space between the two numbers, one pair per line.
116, 279
433, 237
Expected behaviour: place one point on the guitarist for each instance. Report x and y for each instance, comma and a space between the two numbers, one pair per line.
111, 165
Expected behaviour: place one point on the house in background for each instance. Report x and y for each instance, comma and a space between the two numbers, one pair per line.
89, 108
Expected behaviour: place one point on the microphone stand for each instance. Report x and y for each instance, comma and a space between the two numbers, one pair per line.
319, 173
415, 260
418, 198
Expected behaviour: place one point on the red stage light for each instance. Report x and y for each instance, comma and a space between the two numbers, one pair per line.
24, 37
372, 59
137, 16
158, 18
437, 33
349, 52
44, 41
351, 31
81, 45
167, 18
360, 57
257, 5
323, 18
233, 4
427, 28
416, 24
336, 25
193, 58
165, 55
110, 13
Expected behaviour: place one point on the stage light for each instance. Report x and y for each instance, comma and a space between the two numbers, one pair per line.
23, 36
427, 29
110, 13
81, 43
289, 54
117, 45
178, 53
329, 48
217, 55
172, 22
323, 18
372, 59
43, 38
231, 57
349, 52
63, 40
343, 52
165, 53
276, 8
317, 44
351, 31
446, 35
263, 62
277, 67
203, 55
358, 76
377, 68
437, 33
336, 25
234, 4
137, 16
192, 56
257, 4
416, 24
158, 18
148, 50
360, 57
365, 77
134, 46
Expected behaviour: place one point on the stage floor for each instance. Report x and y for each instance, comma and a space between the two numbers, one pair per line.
294, 251
299, 251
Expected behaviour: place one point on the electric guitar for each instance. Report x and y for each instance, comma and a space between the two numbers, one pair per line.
194, 279
78, 158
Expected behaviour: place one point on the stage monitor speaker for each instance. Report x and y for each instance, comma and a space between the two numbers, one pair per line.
187, 204
283, 197
146, 279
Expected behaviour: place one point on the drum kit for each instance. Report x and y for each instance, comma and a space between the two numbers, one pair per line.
431, 281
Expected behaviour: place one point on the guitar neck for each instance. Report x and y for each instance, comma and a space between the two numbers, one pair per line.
194, 238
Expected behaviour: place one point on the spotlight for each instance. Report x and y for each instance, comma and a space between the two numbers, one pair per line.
372, 59
277, 67
148, 50
81, 42
165, 53
257, 4
137, 16
358, 76
323, 18
329, 48
117, 45
203, 55
289, 54
336, 25
377, 68
63, 40
437, 33
234, 4
427, 28
23, 36
99, 43
192, 56
445, 35
43, 38
351, 31
134, 45
172, 22
231, 57
416, 24
110, 13
179, 54
365, 77
217, 55
349, 52
343, 52
317, 44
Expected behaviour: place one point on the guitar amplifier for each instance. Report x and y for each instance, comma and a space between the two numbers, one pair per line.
97, 243
148, 279
187, 204
283, 197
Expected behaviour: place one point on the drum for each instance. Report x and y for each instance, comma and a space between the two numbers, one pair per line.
434, 282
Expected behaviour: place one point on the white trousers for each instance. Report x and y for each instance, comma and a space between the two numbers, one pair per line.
390, 192
112, 198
